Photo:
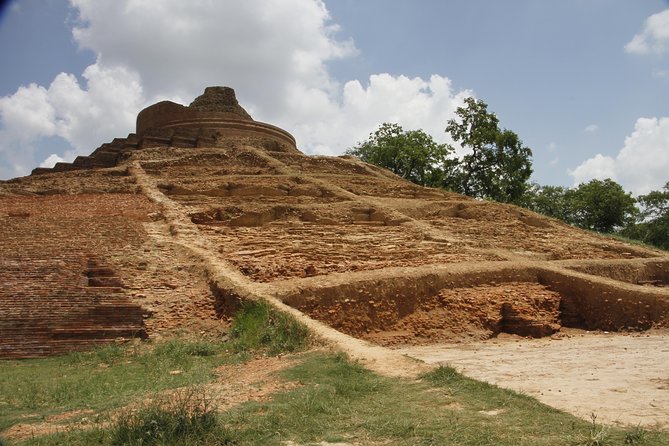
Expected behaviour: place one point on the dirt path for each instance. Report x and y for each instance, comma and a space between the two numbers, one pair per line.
622, 378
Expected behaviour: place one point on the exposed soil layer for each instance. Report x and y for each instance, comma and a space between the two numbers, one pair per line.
495, 226
479, 312
651, 274
296, 249
457, 304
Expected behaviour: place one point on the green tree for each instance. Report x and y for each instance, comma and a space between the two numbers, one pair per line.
411, 154
653, 226
602, 205
498, 165
552, 201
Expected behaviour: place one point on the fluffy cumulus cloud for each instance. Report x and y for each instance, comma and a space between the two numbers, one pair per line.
275, 55
411, 102
641, 165
83, 116
654, 37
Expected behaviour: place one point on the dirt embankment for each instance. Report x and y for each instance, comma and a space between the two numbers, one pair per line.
479, 312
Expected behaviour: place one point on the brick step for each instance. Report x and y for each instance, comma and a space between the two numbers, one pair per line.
107, 155
52, 347
105, 282
183, 141
100, 272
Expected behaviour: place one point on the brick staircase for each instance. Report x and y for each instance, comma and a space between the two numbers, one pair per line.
59, 292
112, 153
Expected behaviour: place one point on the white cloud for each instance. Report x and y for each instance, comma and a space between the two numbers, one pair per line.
27, 114
592, 128
641, 165
51, 160
599, 167
274, 54
661, 74
554, 161
85, 117
411, 102
654, 37
256, 46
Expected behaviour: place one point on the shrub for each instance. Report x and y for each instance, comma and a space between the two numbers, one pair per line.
185, 417
257, 326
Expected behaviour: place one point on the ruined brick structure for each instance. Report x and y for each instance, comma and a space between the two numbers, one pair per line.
202, 207
211, 116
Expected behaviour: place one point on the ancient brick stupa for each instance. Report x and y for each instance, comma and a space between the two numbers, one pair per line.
214, 115
202, 207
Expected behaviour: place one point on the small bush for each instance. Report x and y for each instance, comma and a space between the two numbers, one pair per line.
186, 417
443, 376
256, 326
636, 436
3, 441
597, 435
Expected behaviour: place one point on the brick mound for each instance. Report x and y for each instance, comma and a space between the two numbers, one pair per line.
183, 222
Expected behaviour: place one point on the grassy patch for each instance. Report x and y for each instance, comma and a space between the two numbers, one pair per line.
342, 402
100, 379
185, 417
339, 401
532, 421
114, 375
257, 326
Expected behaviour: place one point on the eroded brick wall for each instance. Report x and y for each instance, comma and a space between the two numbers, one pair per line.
58, 287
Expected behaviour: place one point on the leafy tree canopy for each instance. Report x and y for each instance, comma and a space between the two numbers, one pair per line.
552, 201
653, 226
411, 154
603, 205
498, 165
598, 205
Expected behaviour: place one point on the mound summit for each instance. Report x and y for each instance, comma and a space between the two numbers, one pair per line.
171, 227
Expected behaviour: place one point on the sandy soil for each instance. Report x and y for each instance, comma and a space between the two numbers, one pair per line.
621, 378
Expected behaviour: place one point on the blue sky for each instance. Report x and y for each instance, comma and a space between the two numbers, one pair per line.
584, 83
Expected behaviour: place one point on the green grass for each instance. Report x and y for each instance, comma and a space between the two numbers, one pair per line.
114, 375
336, 400
185, 417
101, 379
257, 327
342, 402
339, 401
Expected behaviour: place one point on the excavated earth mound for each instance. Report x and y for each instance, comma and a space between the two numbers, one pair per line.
172, 226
